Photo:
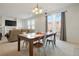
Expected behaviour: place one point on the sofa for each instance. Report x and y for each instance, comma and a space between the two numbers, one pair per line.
0, 36
12, 35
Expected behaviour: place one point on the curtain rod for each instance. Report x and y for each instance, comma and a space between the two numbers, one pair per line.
58, 11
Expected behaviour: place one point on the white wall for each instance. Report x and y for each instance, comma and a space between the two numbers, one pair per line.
72, 23
40, 23
0, 24
4, 29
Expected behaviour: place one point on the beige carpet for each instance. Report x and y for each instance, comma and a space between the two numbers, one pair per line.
7, 48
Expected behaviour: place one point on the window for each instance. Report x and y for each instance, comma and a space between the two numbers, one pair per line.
49, 23
28, 24
31, 24
54, 22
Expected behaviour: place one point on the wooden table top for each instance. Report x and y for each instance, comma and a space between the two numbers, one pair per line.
34, 36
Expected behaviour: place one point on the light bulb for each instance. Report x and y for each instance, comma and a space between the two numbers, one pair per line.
40, 11
36, 12
36, 9
33, 11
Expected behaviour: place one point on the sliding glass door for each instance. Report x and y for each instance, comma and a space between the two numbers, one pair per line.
54, 23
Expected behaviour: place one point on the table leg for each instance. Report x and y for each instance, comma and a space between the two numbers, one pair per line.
54, 39
31, 48
18, 44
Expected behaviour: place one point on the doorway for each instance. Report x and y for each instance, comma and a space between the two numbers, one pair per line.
54, 24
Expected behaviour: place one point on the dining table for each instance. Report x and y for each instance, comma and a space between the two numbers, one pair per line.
31, 37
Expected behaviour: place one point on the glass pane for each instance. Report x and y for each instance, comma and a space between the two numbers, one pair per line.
33, 21
50, 18
28, 24
33, 24
54, 22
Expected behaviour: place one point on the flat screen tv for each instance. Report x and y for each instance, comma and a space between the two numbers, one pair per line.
10, 23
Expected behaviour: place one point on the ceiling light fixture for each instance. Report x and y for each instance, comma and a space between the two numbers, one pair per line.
37, 10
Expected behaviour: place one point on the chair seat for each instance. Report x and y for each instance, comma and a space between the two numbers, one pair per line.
50, 40
38, 45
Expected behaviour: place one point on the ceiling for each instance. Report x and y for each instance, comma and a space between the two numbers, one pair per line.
24, 10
